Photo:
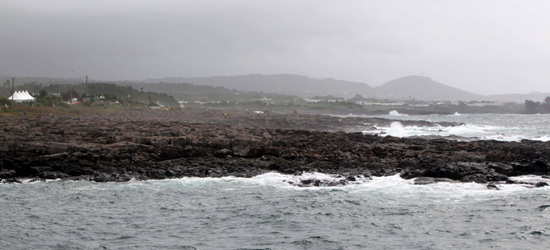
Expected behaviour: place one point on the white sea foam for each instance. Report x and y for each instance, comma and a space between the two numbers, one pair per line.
501, 127
274, 179
395, 113
529, 178
397, 129
387, 184
292, 181
395, 187
485, 132
34, 181
386, 189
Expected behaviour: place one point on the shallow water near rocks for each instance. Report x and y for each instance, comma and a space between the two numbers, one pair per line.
267, 212
500, 127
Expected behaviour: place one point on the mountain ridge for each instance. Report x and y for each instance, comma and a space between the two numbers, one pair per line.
288, 84
403, 88
423, 88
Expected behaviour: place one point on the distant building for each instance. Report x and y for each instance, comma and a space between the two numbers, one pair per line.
486, 104
21, 96
155, 105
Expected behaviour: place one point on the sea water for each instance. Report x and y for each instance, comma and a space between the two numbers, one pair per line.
268, 212
502, 127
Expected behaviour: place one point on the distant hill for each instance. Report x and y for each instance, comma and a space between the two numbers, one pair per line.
418, 87
423, 88
281, 84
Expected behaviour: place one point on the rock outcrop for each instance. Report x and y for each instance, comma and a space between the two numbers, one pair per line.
162, 144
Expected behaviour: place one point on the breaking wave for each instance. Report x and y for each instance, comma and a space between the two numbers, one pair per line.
395, 113
232, 212
387, 185
466, 131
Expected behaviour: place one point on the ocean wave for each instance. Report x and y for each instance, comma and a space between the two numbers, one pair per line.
467, 131
389, 184
395, 113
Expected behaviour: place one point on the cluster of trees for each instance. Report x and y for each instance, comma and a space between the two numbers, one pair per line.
129, 94
532, 107
190, 92
4, 101
41, 100
58, 94
45, 100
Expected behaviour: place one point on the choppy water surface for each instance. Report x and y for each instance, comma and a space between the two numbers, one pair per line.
508, 127
267, 212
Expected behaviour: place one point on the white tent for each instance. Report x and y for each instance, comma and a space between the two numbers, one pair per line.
21, 96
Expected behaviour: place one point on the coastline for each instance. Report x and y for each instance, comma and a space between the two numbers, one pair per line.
147, 144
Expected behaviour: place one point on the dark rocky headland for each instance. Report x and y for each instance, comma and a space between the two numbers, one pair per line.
170, 144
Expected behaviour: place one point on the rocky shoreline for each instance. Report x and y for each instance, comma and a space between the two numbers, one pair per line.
147, 144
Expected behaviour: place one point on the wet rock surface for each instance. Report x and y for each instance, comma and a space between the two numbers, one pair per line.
167, 144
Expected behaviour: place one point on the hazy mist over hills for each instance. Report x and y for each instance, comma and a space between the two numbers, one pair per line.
485, 47
404, 88
418, 87
423, 88
281, 84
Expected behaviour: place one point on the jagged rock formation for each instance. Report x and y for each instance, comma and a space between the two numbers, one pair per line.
157, 145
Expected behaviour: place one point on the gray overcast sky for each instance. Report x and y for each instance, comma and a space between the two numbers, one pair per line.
482, 46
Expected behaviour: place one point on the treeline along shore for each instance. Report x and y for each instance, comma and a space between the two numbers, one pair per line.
149, 144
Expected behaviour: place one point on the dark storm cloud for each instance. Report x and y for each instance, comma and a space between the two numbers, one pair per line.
481, 46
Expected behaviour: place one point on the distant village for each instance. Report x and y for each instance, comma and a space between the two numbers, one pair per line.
87, 94
202, 97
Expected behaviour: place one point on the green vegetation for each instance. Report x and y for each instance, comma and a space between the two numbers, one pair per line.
532, 107
130, 95
69, 110
4, 101
101, 93
48, 101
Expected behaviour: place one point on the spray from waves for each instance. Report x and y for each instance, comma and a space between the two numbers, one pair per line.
500, 127
386, 188
395, 113
466, 131
397, 129
395, 187
388, 183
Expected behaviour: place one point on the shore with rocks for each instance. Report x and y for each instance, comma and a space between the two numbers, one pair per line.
146, 144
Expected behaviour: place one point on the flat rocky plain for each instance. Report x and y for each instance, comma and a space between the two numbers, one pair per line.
148, 144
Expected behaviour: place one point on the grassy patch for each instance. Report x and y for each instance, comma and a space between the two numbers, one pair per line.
69, 110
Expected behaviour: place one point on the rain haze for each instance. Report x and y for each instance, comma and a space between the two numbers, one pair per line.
485, 47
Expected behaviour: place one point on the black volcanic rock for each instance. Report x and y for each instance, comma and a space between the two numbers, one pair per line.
164, 144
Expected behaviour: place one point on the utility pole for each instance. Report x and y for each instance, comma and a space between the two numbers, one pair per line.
86, 86
12, 88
